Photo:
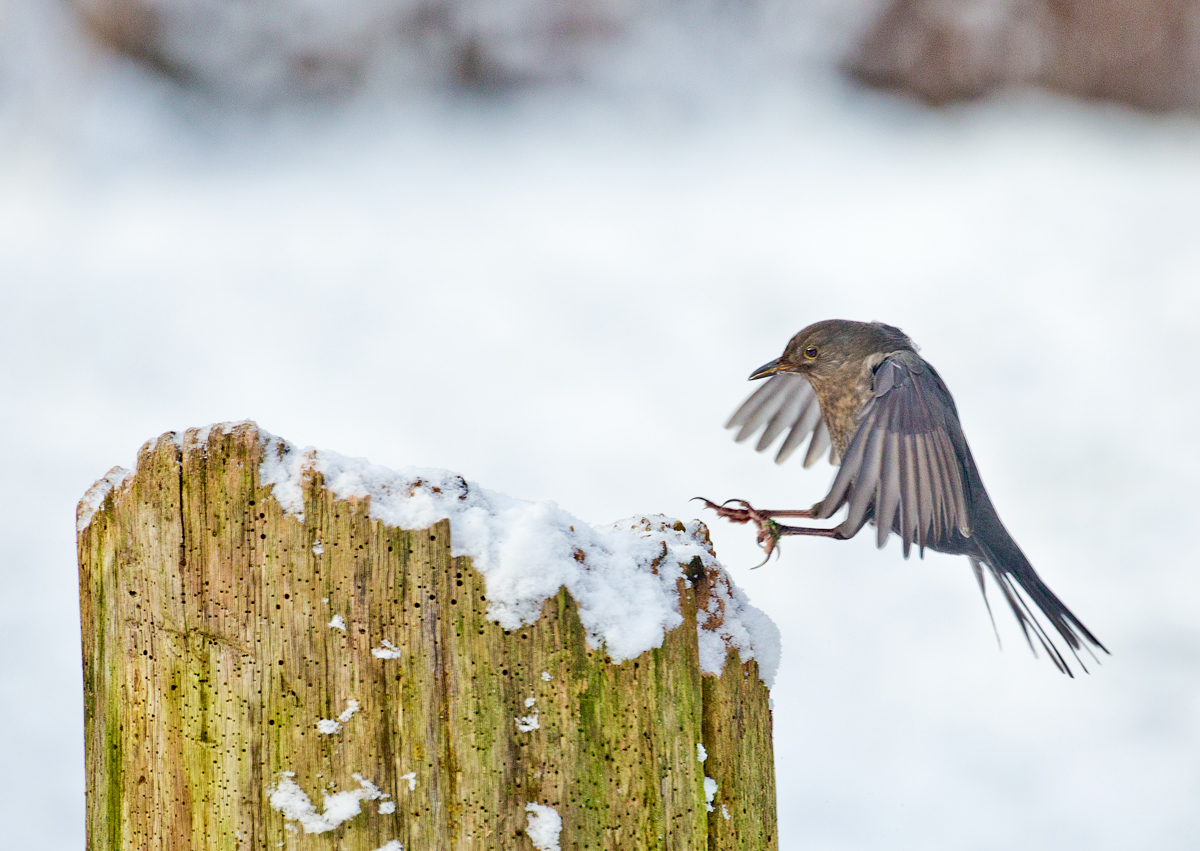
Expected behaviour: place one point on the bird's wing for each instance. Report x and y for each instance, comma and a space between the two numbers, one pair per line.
905, 465
785, 403
908, 468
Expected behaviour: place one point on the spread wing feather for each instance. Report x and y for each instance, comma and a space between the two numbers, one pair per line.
785, 403
819, 443
889, 493
900, 469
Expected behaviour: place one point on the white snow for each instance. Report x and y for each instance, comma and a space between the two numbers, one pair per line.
294, 804
94, 498
725, 813
386, 650
530, 701
337, 622
317, 548
329, 726
730, 622
622, 576
393, 845
546, 676
411, 777
387, 807
710, 792
528, 723
701, 753
543, 825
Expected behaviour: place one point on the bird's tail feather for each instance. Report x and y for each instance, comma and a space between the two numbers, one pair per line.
977, 568
1021, 585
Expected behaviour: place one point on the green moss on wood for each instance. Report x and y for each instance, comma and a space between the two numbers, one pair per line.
208, 662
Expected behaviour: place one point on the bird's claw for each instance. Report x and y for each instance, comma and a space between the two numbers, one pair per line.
749, 514
768, 539
768, 530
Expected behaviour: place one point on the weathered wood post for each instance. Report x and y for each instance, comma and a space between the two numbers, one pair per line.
269, 664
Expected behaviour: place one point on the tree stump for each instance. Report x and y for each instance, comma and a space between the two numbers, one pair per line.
253, 680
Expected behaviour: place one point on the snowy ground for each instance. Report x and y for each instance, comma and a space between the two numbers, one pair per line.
559, 295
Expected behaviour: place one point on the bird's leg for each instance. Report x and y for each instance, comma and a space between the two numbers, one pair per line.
780, 531
769, 532
750, 514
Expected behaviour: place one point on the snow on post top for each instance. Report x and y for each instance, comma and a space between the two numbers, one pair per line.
622, 576
114, 479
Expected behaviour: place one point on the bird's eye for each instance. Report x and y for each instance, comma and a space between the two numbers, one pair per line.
810, 352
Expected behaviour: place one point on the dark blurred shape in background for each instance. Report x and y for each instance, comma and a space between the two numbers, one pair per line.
262, 50
272, 47
1145, 53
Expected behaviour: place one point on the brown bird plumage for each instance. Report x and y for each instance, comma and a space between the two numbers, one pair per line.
889, 422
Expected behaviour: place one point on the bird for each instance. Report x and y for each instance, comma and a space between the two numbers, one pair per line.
862, 391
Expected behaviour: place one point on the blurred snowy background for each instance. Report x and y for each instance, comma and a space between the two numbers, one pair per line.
544, 249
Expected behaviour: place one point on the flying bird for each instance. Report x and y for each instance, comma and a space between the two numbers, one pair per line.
860, 390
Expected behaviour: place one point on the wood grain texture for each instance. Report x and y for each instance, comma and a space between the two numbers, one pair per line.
209, 660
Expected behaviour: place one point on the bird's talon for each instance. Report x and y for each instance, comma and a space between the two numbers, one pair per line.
734, 515
768, 530
768, 537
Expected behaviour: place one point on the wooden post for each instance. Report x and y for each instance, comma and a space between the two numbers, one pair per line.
219, 630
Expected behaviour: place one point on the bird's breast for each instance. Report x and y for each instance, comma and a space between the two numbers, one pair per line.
842, 397
840, 412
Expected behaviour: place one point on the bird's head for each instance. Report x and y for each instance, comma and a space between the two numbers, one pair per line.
828, 347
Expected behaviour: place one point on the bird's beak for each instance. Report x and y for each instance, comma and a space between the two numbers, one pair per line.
766, 369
